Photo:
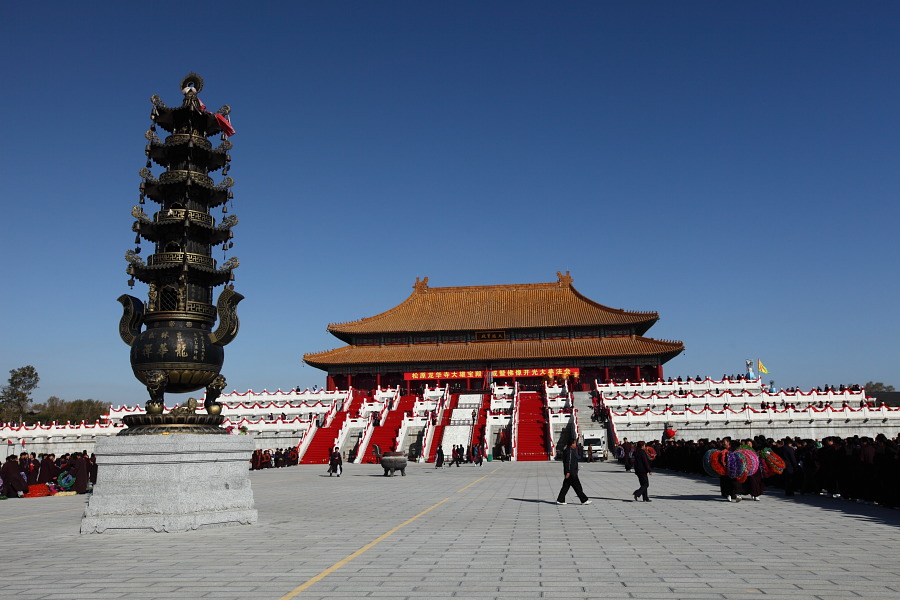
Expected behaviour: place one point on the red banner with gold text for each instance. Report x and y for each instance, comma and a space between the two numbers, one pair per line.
549, 372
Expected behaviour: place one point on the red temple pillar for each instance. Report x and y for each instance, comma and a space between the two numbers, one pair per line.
605, 374
329, 383
408, 387
349, 381
378, 380
659, 372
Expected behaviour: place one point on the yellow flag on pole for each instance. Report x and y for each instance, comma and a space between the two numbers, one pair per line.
761, 367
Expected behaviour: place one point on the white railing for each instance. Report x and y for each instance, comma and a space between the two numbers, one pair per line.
441, 407
504, 391
370, 407
494, 422
556, 390
436, 393
427, 436
756, 417
404, 430
291, 397
420, 407
401, 435
41, 430
305, 441
501, 403
240, 409
364, 442
689, 386
329, 416
388, 395
348, 425
712, 400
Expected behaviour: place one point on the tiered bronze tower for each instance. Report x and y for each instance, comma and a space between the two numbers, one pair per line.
173, 345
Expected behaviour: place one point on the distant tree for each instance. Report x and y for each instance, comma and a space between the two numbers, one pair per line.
16, 395
877, 386
57, 409
46, 412
85, 410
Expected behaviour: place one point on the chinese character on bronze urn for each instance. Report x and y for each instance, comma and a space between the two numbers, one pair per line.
176, 346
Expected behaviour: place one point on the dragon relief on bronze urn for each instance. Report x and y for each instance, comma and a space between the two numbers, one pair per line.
187, 356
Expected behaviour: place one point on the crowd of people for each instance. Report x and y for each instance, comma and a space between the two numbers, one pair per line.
274, 459
21, 472
858, 468
460, 454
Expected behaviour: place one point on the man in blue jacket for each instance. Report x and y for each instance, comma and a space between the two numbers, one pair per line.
570, 469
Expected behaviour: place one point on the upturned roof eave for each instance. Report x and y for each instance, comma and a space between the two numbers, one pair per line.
665, 350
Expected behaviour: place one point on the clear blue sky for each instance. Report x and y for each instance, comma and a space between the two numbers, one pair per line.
733, 166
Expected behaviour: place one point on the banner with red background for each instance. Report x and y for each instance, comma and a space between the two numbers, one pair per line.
551, 372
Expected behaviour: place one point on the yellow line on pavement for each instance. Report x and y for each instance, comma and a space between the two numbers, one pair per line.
373, 543
476, 481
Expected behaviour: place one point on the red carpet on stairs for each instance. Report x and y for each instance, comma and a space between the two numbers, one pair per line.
320, 448
435, 442
532, 442
385, 435
439, 429
480, 421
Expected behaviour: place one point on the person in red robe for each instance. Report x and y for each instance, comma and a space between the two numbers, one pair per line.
31, 466
92, 469
49, 470
78, 467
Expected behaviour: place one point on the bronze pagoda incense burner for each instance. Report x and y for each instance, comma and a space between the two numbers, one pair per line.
174, 347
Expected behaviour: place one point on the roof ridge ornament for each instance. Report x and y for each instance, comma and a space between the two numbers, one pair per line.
564, 280
192, 83
421, 286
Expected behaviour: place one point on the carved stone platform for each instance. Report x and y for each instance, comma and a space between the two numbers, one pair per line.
147, 424
170, 483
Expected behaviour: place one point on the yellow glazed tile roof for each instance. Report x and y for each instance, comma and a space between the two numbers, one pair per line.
522, 306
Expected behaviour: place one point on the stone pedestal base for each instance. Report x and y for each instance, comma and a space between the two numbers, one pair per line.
170, 483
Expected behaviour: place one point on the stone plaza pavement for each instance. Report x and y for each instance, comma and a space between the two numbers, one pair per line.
466, 532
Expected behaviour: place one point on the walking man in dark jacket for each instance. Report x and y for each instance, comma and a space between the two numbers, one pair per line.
642, 470
570, 480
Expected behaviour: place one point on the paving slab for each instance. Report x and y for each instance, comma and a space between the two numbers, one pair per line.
470, 532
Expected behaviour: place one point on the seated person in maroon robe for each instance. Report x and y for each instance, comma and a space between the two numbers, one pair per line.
14, 485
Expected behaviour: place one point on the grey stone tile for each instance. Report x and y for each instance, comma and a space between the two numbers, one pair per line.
500, 538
